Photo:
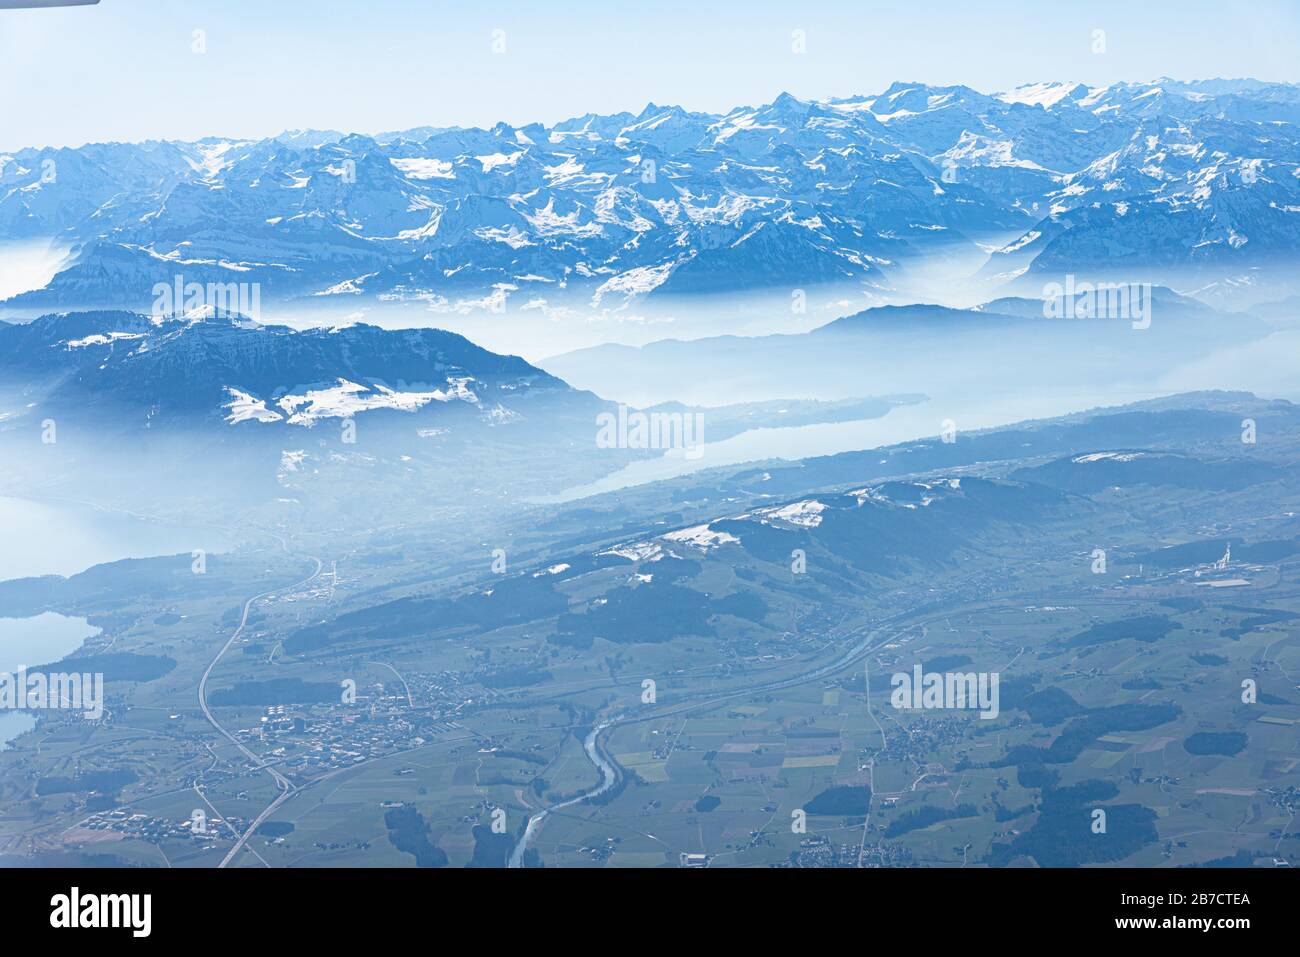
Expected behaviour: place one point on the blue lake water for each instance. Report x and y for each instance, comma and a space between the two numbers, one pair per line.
57, 538
908, 423
36, 641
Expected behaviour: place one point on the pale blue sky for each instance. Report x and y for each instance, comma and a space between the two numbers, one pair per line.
124, 69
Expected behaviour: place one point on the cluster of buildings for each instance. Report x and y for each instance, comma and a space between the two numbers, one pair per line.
308, 740
207, 830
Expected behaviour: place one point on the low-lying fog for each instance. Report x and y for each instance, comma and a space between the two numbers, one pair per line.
64, 538
27, 264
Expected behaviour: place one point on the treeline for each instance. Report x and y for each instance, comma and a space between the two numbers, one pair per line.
1066, 832
925, 816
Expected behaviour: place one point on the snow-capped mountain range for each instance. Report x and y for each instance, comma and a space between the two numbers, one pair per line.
141, 371
1146, 181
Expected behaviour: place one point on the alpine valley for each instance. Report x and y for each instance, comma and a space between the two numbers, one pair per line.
567, 495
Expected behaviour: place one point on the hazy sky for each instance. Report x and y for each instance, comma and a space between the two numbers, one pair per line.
126, 69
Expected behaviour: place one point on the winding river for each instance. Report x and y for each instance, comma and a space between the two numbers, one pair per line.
607, 767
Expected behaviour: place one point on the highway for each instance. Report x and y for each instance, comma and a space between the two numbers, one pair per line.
284, 784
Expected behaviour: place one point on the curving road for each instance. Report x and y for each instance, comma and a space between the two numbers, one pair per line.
284, 784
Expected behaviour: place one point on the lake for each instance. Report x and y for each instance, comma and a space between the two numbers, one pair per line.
908, 423
36, 641
56, 538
